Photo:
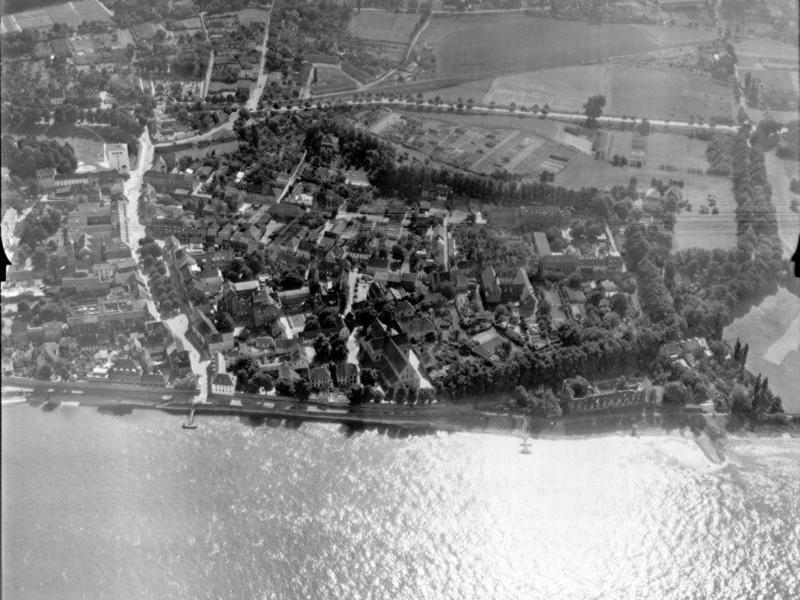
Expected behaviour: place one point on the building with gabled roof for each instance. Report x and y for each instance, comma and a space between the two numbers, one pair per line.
346, 374
221, 381
320, 378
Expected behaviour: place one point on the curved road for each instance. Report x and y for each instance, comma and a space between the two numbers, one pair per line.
250, 105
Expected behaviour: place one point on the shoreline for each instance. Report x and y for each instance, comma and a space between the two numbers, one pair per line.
710, 433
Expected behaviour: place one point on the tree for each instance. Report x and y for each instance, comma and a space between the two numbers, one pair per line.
398, 253
224, 322
43, 372
322, 349
521, 396
355, 394
302, 390
338, 349
594, 109
741, 403
284, 387
676, 392
40, 258
369, 376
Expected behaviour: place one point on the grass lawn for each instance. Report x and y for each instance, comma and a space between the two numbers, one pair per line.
332, 79
87, 150
492, 44
383, 26
773, 331
694, 230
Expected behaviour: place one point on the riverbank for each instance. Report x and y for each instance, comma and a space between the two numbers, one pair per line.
709, 432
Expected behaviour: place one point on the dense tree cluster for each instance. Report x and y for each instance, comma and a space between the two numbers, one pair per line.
598, 352
719, 153
483, 246
707, 284
789, 145
407, 181
594, 109
37, 226
24, 156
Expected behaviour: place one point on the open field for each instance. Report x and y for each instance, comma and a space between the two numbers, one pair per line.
771, 329
69, 13
664, 151
483, 46
88, 150
383, 26
692, 229
252, 15
331, 79
779, 174
764, 53
629, 91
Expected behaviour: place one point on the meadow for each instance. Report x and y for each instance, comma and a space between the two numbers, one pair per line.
489, 45
383, 26
771, 329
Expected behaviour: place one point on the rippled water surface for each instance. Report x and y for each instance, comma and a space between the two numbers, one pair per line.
101, 506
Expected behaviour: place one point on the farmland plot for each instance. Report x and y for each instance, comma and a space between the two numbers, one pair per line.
629, 91
493, 44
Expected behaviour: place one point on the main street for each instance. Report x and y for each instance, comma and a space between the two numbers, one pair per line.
132, 233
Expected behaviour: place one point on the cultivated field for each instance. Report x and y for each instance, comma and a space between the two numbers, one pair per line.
773, 331
69, 13
332, 79
763, 53
629, 91
478, 144
483, 46
383, 26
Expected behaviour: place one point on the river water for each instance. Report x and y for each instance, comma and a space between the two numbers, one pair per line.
101, 506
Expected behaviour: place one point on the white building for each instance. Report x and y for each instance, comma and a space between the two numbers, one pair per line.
222, 382
117, 157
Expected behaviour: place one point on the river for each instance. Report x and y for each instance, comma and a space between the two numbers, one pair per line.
100, 506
